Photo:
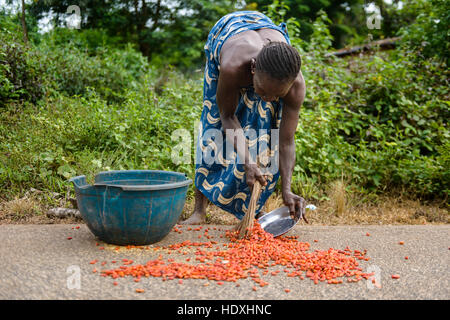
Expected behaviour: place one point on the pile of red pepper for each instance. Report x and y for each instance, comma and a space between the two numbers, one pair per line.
240, 259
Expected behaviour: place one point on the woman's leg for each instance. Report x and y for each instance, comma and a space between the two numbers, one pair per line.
199, 214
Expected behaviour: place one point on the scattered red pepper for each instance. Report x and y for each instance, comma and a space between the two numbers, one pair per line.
243, 258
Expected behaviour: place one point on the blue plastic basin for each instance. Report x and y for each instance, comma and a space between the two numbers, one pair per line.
137, 207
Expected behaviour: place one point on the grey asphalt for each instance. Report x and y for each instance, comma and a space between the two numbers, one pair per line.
39, 262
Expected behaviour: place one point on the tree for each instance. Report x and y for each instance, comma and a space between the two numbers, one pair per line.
24, 24
169, 29
347, 16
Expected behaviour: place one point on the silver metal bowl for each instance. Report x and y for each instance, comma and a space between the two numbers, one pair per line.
277, 222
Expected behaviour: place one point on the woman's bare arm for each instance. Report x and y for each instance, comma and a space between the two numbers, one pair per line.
227, 97
288, 126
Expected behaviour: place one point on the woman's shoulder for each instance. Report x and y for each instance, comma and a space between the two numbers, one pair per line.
235, 59
236, 69
240, 48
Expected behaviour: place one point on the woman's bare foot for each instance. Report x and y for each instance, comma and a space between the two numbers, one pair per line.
199, 214
195, 218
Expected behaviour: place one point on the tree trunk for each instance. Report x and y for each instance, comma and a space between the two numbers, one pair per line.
144, 15
24, 25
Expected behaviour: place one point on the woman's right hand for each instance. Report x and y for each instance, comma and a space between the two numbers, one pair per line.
253, 173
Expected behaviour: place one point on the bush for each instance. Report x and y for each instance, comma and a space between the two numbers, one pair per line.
72, 67
378, 120
84, 135
19, 70
428, 36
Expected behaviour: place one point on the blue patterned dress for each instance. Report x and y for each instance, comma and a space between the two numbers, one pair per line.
223, 181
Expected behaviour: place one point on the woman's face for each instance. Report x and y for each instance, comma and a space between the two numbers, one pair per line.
270, 89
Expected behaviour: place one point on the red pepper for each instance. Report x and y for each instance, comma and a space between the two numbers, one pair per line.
243, 258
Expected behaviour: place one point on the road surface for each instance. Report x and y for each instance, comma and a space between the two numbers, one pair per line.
40, 262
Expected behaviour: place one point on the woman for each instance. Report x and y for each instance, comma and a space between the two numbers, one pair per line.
252, 73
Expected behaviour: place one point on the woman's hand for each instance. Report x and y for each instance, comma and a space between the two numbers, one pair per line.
296, 205
253, 173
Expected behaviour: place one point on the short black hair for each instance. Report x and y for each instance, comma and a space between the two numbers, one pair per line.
279, 60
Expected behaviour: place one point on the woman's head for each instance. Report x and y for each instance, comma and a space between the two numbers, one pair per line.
275, 69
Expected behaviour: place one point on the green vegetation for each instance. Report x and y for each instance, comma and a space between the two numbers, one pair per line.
379, 120
78, 102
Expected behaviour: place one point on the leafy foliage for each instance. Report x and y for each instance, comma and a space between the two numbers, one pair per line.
81, 101
72, 66
148, 24
429, 35
379, 120
19, 71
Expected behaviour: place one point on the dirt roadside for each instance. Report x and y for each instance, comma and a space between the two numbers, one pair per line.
30, 209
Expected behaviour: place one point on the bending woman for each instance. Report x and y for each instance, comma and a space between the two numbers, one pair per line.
252, 84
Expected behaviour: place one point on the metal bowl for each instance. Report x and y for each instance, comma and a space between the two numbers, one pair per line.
277, 222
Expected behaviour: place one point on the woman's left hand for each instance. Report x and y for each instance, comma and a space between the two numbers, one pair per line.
296, 205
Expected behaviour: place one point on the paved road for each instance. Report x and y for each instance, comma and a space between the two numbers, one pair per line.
39, 262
